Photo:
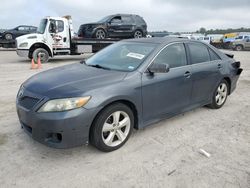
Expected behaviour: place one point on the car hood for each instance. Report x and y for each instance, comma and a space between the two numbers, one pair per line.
29, 36
71, 80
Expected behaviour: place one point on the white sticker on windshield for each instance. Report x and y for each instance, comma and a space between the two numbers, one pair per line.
135, 55
131, 67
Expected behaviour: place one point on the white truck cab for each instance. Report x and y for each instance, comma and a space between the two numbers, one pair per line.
55, 36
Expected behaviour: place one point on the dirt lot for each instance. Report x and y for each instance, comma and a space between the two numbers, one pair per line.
163, 155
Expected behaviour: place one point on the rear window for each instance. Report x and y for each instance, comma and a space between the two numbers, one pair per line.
199, 53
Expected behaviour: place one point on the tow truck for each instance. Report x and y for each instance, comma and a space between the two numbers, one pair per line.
55, 36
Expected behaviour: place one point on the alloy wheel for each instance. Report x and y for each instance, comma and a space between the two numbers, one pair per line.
116, 128
221, 94
100, 34
8, 37
138, 34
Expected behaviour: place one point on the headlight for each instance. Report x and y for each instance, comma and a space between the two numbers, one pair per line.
59, 105
24, 44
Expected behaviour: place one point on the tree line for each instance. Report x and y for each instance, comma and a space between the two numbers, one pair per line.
222, 31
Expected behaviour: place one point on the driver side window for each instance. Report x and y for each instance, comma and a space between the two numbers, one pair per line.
173, 55
52, 26
116, 20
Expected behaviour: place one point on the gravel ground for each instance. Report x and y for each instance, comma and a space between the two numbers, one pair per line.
162, 155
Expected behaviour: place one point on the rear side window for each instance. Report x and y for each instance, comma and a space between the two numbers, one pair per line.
199, 53
127, 19
213, 55
173, 55
139, 20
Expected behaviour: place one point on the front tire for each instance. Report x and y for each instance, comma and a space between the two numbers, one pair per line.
43, 53
220, 95
100, 34
112, 127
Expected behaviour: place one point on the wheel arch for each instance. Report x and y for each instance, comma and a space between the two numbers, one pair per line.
126, 102
141, 30
100, 27
229, 84
242, 46
39, 45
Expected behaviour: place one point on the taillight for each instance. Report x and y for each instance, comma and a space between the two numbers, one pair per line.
236, 64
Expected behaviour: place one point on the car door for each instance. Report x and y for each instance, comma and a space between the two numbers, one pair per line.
127, 25
167, 93
58, 35
206, 66
115, 26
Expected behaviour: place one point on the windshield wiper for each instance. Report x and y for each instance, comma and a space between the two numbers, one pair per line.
99, 67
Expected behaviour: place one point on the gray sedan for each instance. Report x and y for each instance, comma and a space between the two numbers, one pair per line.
130, 84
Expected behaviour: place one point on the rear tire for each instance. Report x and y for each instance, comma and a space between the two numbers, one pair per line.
112, 127
220, 95
44, 55
138, 34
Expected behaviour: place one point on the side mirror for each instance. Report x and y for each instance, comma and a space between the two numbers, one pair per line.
158, 68
248, 40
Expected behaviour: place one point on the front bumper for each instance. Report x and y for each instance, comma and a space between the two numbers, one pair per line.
23, 52
57, 129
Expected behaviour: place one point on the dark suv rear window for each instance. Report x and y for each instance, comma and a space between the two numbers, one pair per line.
127, 19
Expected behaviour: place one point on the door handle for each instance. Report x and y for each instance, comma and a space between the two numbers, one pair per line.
219, 66
187, 74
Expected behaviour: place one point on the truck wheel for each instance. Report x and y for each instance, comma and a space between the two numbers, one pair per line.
138, 34
112, 127
8, 36
43, 53
100, 34
239, 48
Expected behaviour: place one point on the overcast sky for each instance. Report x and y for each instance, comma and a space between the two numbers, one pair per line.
170, 15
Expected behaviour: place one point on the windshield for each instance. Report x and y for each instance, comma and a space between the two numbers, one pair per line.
122, 56
42, 26
104, 19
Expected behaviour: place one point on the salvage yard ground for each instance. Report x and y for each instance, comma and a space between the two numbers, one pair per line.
163, 155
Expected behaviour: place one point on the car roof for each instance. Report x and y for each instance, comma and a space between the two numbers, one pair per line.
158, 40
124, 15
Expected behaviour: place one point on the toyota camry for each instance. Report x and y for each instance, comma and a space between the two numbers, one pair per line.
128, 85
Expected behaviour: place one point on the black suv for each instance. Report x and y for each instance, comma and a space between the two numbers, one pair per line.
115, 26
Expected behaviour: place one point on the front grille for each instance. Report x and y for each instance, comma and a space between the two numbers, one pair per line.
28, 102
